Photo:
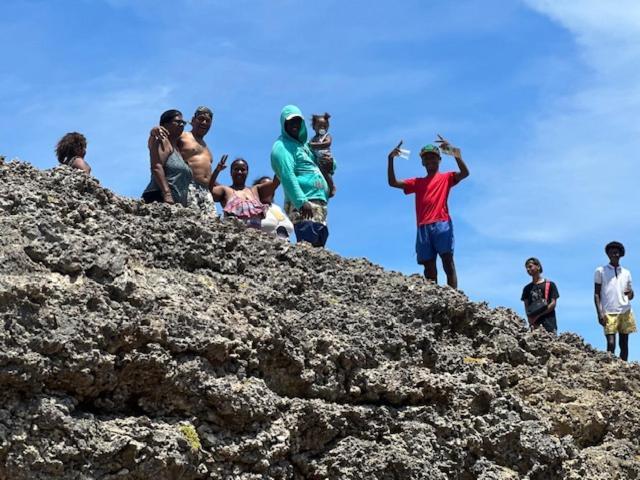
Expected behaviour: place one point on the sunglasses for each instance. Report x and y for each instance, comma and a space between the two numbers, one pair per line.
180, 123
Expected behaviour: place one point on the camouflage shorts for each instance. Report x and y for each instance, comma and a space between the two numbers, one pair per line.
200, 198
313, 230
319, 212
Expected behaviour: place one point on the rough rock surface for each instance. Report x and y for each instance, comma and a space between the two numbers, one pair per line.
142, 342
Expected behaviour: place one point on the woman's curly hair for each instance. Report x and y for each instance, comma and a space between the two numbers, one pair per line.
73, 144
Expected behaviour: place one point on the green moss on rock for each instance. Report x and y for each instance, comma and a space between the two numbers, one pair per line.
191, 435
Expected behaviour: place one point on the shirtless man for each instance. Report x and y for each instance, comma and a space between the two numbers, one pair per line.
196, 153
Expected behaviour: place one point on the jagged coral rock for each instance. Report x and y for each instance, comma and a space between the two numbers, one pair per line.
122, 321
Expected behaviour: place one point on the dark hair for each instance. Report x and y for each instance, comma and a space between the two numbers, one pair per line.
261, 179
612, 245
239, 159
535, 261
205, 110
315, 117
169, 115
73, 144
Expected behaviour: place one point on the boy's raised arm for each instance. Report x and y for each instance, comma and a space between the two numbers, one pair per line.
457, 154
464, 170
391, 173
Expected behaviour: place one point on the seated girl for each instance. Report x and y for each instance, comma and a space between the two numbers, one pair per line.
71, 150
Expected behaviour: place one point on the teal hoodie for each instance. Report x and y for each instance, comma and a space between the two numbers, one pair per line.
295, 164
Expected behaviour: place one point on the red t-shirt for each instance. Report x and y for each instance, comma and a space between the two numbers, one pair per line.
431, 196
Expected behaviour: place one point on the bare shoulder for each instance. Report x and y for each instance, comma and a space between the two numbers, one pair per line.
186, 136
223, 189
81, 164
185, 139
161, 149
166, 145
255, 189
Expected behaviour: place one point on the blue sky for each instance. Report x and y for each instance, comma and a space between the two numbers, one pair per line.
542, 96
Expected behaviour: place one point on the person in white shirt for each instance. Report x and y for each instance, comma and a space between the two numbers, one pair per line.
613, 294
275, 221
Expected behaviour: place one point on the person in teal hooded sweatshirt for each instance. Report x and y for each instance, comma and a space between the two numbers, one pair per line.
306, 191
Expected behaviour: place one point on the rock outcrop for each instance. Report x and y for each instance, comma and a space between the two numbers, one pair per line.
145, 342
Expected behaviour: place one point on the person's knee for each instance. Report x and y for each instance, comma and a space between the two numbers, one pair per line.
430, 270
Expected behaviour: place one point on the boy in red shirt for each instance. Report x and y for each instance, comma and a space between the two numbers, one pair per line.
435, 230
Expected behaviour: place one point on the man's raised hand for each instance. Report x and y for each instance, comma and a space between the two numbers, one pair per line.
158, 134
443, 141
446, 146
396, 151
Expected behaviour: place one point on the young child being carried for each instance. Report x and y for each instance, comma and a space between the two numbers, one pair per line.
321, 146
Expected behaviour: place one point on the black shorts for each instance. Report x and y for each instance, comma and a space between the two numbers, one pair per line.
153, 196
549, 324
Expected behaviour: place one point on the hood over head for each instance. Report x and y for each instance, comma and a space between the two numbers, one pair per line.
289, 112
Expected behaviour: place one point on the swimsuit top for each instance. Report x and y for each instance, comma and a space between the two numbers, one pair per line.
245, 208
69, 160
178, 175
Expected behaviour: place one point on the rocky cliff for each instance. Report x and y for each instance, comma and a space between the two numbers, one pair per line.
143, 342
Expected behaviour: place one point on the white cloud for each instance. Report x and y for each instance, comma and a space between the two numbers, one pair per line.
608, 32
577, 175
591, 18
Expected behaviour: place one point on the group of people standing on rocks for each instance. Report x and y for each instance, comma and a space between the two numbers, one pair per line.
613, 292
181, 173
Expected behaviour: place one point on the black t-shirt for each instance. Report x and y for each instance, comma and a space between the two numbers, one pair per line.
535, 292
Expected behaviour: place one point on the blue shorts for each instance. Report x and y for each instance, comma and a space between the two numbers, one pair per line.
313, 232
434, 239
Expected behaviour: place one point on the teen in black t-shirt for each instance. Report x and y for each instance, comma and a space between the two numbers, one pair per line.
533, 295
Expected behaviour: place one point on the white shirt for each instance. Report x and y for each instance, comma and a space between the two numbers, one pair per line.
615, 281
275, 218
